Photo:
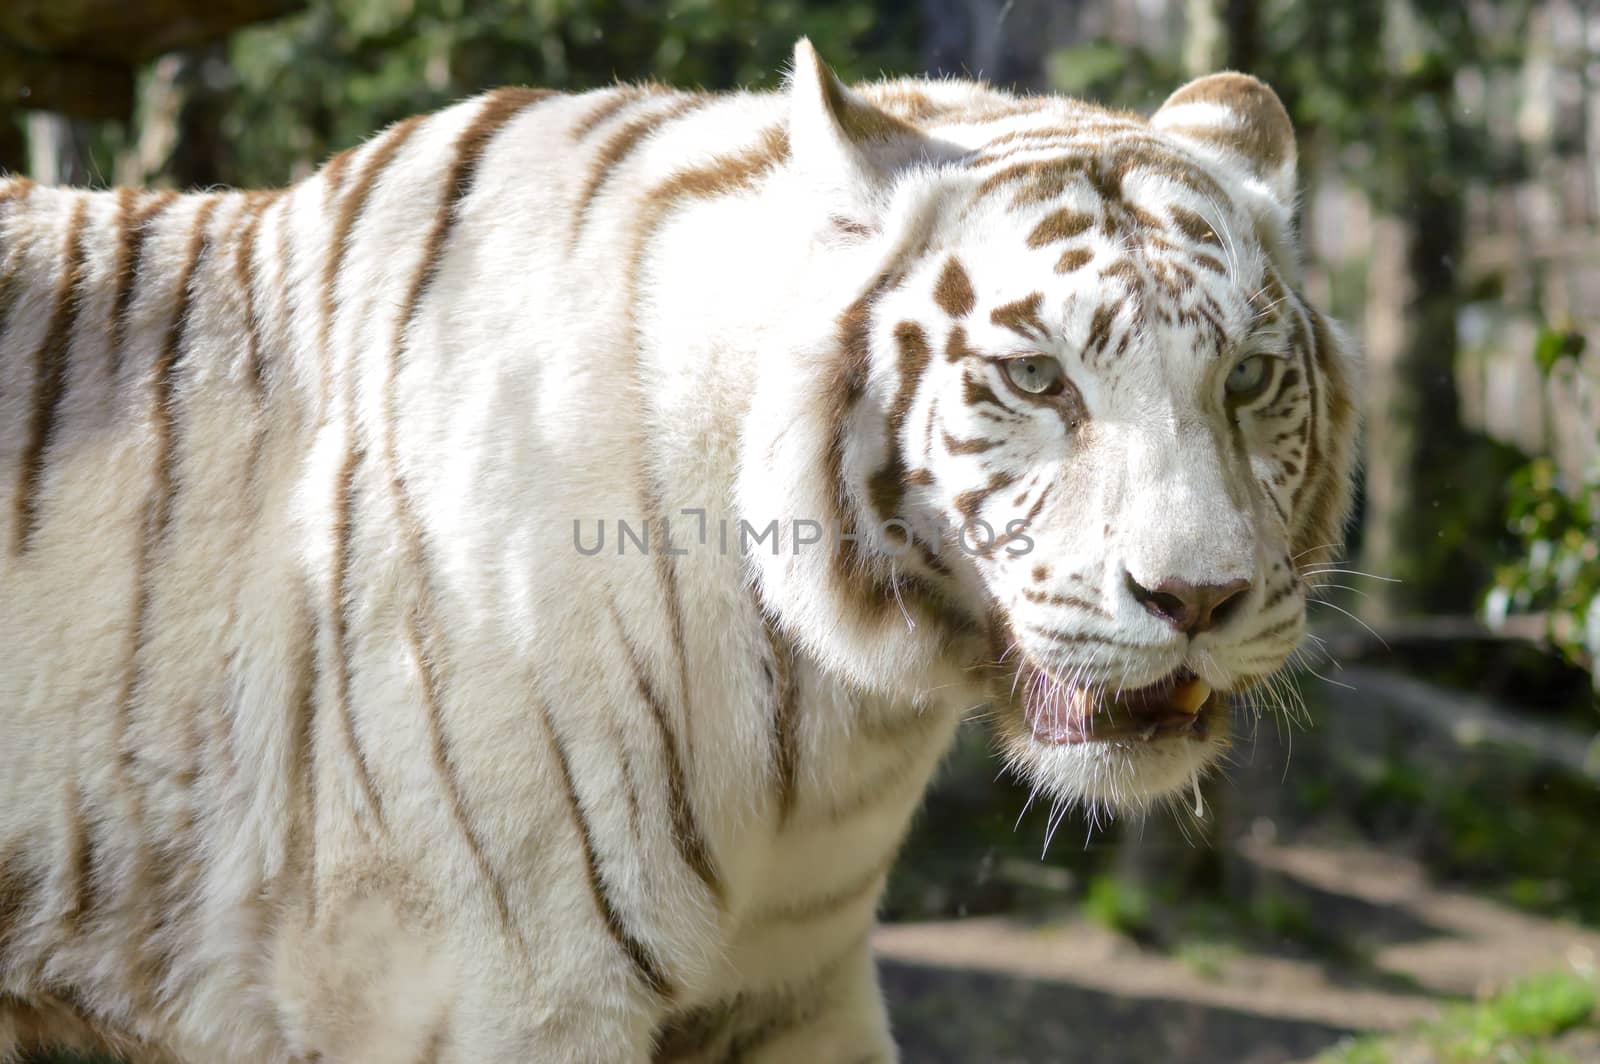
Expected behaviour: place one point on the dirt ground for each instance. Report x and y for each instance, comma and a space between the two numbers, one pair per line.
1000, 991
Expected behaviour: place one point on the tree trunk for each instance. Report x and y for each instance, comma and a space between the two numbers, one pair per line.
1415, 442
13, 144
57, 150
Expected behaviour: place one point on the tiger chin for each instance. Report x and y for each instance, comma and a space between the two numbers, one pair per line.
504, 596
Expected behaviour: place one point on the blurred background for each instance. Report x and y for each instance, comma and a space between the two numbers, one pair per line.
1402, 863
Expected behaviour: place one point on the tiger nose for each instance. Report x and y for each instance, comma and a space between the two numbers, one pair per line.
1190, 608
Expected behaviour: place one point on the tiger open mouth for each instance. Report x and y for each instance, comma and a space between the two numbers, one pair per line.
1177, 706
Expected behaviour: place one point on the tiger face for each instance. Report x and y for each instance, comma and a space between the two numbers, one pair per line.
1098, 429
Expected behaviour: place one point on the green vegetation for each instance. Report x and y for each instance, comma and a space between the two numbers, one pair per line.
1519, 1025
298, 89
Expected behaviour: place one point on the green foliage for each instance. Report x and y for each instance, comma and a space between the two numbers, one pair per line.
1557, 573
1513, 1027
1515, 833
321, 81
1554, 345
1119, 905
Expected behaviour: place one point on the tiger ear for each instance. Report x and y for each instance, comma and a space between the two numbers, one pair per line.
845, 150
1240, 117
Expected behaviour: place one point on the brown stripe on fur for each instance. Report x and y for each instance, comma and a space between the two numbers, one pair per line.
1062, 224
498, 110
630, 783
1322, 520
133, 226
286, 257
450, 774
165, 371
885, 779
133, 230
1043, 599
956, 347
81, 862
667, 575
1047, 137
686, 834
975, 392
644, 962
785, 721
696, 1035
1005, 538
14, 187
1194, 226
1304, 341
955, 445
12, 276
893, 729
721, 176
847, 386
1289, 378
783, 1011
302, 828
616, 150
969, 503
953, 292
345, 217
433, 1052
19, 886
1100, 328
617, 98
1074, 259
826, 904
333, 171
344, 505
886, 487
1021, 316
50, 375
244, 278
1039, 180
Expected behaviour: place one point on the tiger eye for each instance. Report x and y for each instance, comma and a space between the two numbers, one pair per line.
1249, 378
1036, 374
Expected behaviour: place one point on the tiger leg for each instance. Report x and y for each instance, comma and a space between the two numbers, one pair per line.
378, 981
838, 1016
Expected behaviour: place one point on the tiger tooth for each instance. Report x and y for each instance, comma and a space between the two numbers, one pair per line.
1191, 696
1148, 733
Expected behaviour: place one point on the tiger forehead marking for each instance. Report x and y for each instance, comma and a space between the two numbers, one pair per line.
331, 715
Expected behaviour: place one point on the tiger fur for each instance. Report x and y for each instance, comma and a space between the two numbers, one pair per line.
330, 735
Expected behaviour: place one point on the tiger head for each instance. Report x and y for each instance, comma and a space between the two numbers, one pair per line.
1080, 431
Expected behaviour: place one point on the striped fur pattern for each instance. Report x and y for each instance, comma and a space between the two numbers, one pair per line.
327, 740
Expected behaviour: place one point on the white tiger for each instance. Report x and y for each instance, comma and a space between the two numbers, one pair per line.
331, 734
